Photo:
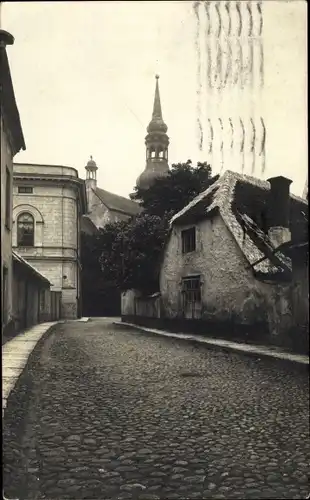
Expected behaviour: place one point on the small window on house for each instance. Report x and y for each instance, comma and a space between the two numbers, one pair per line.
8, 199
191, 289
25, 189
25, 230
188, 240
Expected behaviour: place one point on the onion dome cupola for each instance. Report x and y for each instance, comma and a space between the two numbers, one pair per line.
91, 169
156, 142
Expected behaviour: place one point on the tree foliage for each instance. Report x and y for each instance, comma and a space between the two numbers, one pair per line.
128, 253
170, 194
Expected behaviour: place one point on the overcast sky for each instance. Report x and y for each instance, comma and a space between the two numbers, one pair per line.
83, 74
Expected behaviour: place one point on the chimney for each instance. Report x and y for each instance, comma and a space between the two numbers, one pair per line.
279, 210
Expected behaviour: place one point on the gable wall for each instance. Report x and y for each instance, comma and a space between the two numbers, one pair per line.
227, 283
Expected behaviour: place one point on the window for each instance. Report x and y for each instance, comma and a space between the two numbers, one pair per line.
191, 289
8, 199
25, 230
25, 189
189, 240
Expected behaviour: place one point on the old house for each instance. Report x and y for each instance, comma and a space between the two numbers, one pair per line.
49, 201
219, 261
223, 271
12, 141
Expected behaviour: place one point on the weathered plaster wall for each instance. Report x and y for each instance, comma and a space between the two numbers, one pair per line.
228, 287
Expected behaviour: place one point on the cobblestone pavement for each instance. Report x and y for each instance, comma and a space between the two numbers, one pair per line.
104, 412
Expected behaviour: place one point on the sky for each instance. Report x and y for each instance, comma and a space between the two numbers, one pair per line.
84, 80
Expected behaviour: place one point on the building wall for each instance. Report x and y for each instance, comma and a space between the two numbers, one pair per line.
6, 232
229, 290
56, 212
26, 301
227, 284
28, 168
101, 217
33, 303
300, 295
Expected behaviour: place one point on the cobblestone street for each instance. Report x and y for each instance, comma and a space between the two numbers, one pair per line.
105, 412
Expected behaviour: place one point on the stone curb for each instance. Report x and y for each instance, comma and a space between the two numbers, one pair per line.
15, 355
248, 349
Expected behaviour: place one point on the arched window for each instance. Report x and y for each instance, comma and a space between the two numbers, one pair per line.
25, 230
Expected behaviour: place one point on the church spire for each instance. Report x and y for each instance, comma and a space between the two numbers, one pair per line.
157, 123
157, 106
157, 143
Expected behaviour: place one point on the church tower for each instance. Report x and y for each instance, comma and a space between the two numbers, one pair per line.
91, 182
156, 143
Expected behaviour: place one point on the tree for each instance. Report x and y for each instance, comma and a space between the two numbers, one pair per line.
131, 251
128, 253
170, 194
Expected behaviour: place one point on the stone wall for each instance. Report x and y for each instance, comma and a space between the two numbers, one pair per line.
134, 304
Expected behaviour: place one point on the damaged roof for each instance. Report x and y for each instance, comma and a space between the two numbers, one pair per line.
242, 202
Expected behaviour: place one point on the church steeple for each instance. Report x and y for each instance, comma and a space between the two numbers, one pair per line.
91, 183
157, 143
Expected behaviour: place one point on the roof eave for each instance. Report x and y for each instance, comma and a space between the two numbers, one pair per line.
30, 269
9, 105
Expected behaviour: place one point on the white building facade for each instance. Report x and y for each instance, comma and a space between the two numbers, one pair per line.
48, 203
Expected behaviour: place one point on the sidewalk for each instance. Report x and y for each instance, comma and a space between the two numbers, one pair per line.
266, 351
15, 354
